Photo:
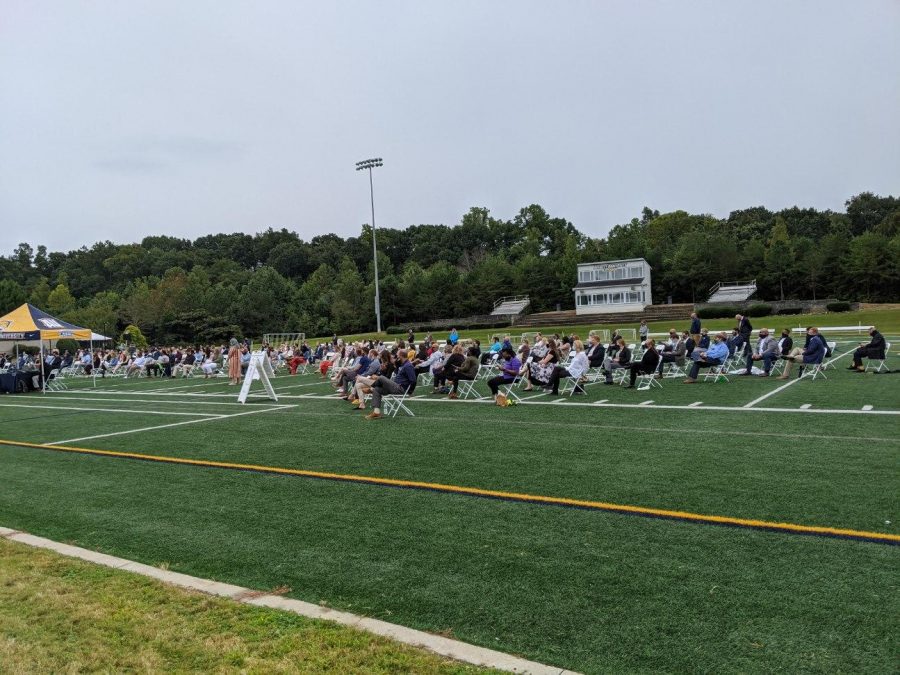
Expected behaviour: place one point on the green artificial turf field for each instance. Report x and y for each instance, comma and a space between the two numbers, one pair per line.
580, 588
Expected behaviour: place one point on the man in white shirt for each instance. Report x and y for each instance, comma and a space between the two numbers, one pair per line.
136, 365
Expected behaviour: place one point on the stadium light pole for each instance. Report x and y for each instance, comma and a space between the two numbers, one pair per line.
360, 166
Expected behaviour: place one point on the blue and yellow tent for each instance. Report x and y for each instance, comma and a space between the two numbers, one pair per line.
27, 323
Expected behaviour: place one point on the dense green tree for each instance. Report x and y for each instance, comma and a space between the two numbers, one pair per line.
873, 266
228, 284
290, 259
12, 295
264, 303
312, 302
349, 309
779, 256
810, 262
101, 314
39, 293
752, 223
867, 210
61, 302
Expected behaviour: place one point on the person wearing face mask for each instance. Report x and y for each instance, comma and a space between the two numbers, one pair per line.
791, 353
872, 350
715, 355
785, 343
766, 351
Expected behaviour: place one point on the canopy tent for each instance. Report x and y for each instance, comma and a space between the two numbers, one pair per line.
30, 324
96, 337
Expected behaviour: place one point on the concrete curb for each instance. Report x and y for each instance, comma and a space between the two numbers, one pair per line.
454, 649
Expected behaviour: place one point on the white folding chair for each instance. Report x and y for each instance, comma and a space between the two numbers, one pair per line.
814, 370
877, 365
394, 403
672, 369
826, 362
54, 383
571, 385
777, 366
716, 372
466, 389
508, 389
485, 369
646, 381
619, 375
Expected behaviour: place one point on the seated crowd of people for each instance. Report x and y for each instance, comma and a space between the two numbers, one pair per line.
377, 368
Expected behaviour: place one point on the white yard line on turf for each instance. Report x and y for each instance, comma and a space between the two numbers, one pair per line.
620, 427
528, 398
297, 386
638, 406
111, 410
786, 385
181, 397
168, 426
157, 401
526, 401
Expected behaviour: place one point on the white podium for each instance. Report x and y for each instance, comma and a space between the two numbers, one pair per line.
260, 369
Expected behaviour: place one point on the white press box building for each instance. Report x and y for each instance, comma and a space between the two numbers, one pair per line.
613, 286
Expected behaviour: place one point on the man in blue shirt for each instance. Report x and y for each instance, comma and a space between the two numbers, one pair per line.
404, 378
708, 358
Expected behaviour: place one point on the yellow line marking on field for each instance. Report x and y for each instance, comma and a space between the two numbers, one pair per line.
791, 528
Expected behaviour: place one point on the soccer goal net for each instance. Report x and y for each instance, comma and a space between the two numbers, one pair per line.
290, 339
602, 333
630, 334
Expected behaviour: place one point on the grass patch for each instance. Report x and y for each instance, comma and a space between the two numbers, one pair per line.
64, 615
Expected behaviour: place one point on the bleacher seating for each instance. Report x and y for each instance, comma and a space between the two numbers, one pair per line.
511, 305
732, 291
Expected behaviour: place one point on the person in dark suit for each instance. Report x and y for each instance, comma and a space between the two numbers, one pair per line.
595, 351
785, 343
51, 363
689, 343
647, 365
695, 327
704, 339
873, 350
793, 353
621, 359
744, 329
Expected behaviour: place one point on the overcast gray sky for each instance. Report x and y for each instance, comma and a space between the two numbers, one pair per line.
123, 119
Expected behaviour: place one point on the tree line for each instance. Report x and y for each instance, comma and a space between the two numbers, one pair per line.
221, 285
